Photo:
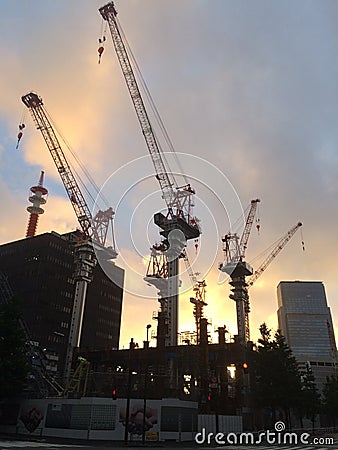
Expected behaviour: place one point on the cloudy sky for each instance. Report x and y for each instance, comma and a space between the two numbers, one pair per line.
248, 92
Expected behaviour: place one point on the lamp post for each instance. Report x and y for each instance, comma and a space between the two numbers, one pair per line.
145, 388
148, 327
131, 347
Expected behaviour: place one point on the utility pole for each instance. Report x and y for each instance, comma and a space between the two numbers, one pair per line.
126, 430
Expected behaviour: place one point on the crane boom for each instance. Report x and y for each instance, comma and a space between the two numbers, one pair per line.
94, 228
165, 180
35, 105
248, 225
234, 246
178, 199
279, 246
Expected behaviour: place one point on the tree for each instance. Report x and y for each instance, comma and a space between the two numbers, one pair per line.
13, 360
310, 400
277, 383
330, 399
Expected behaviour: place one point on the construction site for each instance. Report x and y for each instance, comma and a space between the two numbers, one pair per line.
81, 381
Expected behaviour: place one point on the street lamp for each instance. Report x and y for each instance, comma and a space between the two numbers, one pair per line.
146, 345
148, 327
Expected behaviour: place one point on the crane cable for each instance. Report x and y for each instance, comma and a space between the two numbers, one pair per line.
272, 246
239, 225
90, 179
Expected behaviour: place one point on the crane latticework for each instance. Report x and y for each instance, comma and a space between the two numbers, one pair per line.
94, 228
199, 303
158, 262
248, 226
199, 288
272, 255
234, 248
178, 200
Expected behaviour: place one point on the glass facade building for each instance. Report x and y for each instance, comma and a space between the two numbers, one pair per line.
305, 320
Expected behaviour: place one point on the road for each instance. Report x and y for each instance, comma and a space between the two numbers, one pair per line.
31, 445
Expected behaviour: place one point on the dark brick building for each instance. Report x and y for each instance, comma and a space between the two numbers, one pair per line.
40, 271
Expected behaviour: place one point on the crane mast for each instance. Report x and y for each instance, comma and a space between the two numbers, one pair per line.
199, 302
234, 248
157, 275
199, 288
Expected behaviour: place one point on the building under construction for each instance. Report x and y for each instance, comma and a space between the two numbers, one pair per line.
40, 271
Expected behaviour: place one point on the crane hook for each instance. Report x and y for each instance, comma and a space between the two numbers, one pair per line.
258, 225
101, 48
100, 51
20, 134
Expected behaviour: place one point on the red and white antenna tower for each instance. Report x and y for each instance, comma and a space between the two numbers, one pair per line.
37, 197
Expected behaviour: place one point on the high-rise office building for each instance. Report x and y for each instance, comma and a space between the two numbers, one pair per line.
40, 271
305, 320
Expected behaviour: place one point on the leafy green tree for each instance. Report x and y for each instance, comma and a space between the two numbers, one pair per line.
330, 399
310, 404
13, 360
277, 381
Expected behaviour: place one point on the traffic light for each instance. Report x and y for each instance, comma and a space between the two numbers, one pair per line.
114, 394
245, 367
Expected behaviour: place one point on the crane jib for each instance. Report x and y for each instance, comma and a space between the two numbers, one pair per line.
95, 228
178, 200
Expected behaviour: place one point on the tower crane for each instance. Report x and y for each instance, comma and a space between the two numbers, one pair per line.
179, 200
278, 247
235, 265
94, 229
